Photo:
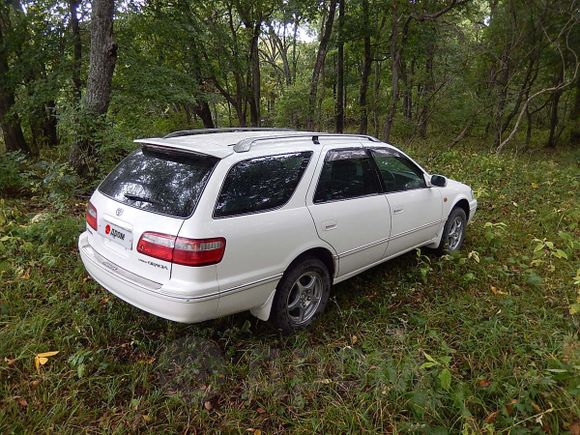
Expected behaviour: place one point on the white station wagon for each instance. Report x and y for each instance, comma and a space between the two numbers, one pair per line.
205, 223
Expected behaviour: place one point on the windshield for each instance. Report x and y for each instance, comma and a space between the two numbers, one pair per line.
160, 181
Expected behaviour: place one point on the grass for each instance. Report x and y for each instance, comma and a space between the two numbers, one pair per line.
481, 341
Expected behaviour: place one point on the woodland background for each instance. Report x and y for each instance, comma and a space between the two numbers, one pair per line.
90, 76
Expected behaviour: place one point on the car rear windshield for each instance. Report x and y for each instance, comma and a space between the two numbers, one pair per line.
169, 182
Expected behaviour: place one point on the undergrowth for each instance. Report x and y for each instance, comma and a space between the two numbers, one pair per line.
485, 340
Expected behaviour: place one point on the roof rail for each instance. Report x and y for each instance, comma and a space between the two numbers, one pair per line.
220, 130
245, 145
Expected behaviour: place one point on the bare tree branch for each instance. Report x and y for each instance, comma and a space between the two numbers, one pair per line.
566, 29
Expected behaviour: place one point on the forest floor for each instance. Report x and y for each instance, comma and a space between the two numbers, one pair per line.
480, 341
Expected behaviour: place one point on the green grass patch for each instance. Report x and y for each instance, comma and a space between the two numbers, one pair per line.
480, 341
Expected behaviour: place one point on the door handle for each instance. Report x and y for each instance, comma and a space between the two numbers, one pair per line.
329, 225
398, 210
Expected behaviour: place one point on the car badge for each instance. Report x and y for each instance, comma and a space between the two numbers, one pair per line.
119, 211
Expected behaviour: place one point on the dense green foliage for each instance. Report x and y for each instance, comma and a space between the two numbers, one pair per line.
435, 67
484, 340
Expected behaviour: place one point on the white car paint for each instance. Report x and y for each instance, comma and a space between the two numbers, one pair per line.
358, 233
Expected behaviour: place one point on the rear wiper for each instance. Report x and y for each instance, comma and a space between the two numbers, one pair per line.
139, 198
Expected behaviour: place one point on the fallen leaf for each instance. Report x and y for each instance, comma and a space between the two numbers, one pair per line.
509, 406
146, 418
491, 417
9, 361
354, 339
42, 358
496, 291
148, 360
22, 402
208, 406
35, 383
25, 275
484, 383
261, 411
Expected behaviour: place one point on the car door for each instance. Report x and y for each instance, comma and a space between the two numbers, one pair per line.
416, 210
348, 208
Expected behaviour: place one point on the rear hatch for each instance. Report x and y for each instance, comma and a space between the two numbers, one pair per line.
152, 190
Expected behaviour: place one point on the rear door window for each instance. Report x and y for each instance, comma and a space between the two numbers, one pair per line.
169, 183
260, 184
346, 174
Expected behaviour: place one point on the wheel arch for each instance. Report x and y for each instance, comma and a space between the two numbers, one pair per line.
324, 254
461, 203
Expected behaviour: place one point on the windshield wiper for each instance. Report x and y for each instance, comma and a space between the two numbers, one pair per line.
139, 198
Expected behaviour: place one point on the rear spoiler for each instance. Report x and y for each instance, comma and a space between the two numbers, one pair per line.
168, 146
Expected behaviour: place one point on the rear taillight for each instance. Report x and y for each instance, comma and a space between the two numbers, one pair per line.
157, 245
91, 216
180, 250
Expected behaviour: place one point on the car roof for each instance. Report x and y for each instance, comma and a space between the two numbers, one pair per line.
221, 144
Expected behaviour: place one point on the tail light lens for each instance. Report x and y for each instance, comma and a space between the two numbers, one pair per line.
91, 216
157, 245
180, 250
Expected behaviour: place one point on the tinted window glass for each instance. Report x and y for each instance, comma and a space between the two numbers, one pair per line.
261, 184
346, 174
168, 183
397, 171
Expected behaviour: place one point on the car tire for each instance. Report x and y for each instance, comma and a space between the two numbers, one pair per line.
454, 232
301, 295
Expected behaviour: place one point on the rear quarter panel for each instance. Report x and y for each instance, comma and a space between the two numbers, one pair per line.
259, 246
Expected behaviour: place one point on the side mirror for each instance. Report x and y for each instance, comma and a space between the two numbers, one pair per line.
438, 180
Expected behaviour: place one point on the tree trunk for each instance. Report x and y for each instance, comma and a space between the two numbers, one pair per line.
575, 115
294, 43
503, 82
204, 112
51, 123
103, 56
9, 120
527, 83
366, 71
553, 138
426, 91
376, 97
395, 65
407, 79
10, 123
76, 39
529, 120
254, 79
339, 111
239, 102
319, 63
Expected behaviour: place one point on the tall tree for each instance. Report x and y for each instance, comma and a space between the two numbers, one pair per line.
339, 111
366, 69
103, 56
319, 63
9, 119
77, 47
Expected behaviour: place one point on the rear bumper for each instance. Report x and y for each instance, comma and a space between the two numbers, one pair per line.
143, 293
